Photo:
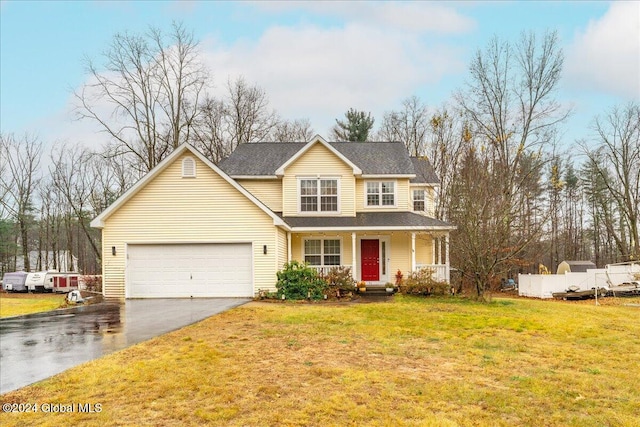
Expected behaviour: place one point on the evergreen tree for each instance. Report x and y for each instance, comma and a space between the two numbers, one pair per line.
356, 127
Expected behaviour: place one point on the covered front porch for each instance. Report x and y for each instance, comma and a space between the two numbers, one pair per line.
373, 256
375, 245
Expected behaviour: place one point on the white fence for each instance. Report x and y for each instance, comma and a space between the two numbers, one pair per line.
544, 285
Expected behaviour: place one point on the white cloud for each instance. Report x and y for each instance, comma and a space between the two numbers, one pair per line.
397, 15
606, 55
319, 73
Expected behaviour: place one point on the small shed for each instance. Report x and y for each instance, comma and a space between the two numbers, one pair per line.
575, 267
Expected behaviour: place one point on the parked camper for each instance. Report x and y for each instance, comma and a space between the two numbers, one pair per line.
14, 282
39, 282
65, 282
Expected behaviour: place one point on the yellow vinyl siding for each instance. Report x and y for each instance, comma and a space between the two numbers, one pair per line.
400, 253
268, 191
424, 249
282, 248
430, 202
403, 196
318, 160
172, 209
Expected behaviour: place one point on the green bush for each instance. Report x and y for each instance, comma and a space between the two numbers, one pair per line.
421, 282
298, 281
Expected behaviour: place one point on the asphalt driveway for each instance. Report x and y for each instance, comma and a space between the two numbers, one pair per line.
35, 348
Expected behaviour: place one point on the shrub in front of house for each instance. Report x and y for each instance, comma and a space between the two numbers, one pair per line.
298, 281
92, 283
421, 282
340, 282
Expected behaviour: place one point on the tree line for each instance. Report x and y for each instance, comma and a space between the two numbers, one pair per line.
520, 196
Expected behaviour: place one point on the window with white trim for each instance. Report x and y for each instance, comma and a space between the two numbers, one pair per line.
419, 200
381, 193
322, 252
319, 195
188, 167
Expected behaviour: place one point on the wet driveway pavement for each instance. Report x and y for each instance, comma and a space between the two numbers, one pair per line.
35, 348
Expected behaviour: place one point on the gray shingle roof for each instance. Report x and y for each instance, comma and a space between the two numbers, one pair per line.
367, 219
373, 158
425, 174
377, 158
262, 158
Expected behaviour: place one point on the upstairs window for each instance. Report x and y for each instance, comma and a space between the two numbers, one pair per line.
418, 201
188, 167
319, 195
381, 193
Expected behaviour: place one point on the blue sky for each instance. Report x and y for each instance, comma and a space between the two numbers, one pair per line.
314, 59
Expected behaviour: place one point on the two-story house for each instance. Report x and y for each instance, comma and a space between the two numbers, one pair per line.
191, 228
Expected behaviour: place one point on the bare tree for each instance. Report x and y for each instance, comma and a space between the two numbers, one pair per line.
298, 130
616, 161
74, 176
145, 95
448, 135
249, 117
410, 125
510, 102
210, 135
19, 183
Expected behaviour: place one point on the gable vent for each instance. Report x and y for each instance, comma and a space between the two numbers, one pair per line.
188, 167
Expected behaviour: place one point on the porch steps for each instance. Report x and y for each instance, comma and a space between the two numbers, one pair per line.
375, 291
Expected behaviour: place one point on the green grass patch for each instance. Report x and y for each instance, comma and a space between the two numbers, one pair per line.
414, 361
18, 304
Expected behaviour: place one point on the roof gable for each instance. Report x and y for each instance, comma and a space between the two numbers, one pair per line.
317, 140
98, 222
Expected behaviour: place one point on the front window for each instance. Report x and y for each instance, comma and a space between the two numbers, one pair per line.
381, 193
418, 200
319, 195
322, 252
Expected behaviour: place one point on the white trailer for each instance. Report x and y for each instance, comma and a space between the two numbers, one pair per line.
52, 281
14, 281
39, 281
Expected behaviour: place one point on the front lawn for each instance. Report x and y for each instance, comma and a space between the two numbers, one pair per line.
433, 362
17, 304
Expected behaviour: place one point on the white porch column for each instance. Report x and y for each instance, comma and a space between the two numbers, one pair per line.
433, 249
446, 256
446, 249
288, 246
413, 251
439, 250
354, 261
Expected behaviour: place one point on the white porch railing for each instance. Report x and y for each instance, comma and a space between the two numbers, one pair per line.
440, 271
324, 270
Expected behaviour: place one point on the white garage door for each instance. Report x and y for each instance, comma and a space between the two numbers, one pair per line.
189, 270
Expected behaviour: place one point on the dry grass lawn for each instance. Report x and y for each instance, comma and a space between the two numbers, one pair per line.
18, 303
411, 362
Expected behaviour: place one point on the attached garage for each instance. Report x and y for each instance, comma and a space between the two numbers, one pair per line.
189, 270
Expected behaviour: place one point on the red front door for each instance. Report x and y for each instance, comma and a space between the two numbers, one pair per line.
370, 250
